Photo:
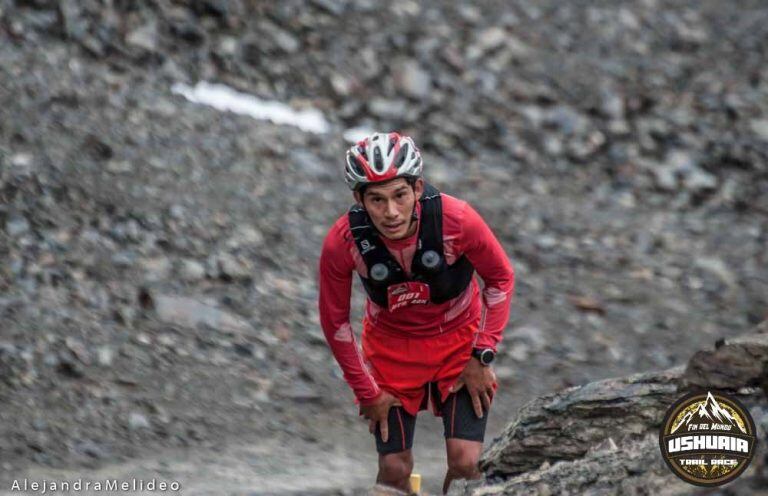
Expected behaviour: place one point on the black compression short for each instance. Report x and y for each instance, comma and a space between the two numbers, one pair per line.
459, 422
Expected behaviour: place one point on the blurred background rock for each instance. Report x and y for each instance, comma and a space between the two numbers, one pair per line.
157, 284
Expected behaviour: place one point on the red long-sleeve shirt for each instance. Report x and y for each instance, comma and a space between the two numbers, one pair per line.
464, 232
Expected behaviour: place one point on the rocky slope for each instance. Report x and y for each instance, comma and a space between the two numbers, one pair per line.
157, 288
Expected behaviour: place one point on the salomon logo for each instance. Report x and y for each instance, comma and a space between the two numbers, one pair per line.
366, 246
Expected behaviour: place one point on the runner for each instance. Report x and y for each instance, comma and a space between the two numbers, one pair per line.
429, 333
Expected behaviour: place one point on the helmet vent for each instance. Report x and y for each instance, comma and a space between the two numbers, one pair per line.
401, 155
378, 163
352, 162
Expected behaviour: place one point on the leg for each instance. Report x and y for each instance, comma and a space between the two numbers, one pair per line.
464, 435
395, 470
462, 457
395, 457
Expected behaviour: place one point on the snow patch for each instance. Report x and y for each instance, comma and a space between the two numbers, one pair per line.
224, 98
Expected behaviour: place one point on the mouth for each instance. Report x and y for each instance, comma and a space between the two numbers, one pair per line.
393, 227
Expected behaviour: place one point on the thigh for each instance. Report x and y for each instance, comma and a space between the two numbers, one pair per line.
401, 429
459, 418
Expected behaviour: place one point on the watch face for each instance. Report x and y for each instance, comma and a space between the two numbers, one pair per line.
487, 356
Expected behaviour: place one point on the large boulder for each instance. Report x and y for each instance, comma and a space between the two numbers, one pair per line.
602, 437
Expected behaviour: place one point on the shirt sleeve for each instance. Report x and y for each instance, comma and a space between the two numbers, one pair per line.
491, 263
335, 272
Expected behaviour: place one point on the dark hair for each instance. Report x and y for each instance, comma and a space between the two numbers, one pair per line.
411, 180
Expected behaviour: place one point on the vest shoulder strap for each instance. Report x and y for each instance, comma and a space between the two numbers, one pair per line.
431, 227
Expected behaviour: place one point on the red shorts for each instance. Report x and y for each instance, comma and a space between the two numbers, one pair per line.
403, 365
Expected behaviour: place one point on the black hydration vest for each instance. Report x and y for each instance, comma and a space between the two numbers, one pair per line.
429, 266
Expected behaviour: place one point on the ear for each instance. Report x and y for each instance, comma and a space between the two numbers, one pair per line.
418, 187
358, 198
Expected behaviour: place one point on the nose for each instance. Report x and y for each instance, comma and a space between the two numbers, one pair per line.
391, 209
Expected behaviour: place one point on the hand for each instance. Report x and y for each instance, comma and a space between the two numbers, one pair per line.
479, 381
379, 413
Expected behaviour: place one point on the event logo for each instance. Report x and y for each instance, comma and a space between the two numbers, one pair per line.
707, 439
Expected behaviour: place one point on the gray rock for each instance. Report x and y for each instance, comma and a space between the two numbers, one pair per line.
284, 40
718, 267
342, 85
227, 46
525, 340
567, 120
665, 177
124, 259
486, 40
411, 78
17, 226
546, 242
144, 37
634, 469
191, 270
469, 13
125, 315
681, 168
505, 373
120, 166
156, 269
22, 162
185, 28
301, 392
733, 363
310, 165
760, 128
237, 268
74, 25
39, 424
553, 427
177, 211
189, 312
697, 180
382, 490
335, 7
91, 449
612, 105
78, 350
137, 420
387, 108
105, 356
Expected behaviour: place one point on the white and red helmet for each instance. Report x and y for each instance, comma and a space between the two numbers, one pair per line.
381, 157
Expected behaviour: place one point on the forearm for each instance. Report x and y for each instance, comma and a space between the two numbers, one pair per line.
335, 288
348, 355
492, 265
495, 314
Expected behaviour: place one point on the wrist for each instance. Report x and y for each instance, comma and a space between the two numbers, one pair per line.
484, 356
373, 400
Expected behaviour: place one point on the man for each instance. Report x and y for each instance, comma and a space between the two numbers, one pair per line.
429, 333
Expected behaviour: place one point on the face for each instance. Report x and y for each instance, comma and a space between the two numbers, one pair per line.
390, 205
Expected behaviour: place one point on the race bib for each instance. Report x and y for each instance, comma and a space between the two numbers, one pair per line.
407, 294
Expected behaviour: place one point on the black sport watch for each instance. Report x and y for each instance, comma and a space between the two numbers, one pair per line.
484, 355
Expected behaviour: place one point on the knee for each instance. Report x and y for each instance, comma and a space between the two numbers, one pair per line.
463, 464
396, 466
